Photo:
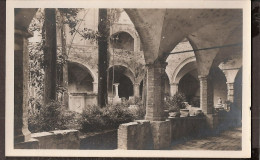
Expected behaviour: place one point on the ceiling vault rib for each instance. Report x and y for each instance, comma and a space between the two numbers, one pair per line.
209, 48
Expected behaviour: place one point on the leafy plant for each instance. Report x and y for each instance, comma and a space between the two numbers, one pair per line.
175, 103
95, 118
49, 117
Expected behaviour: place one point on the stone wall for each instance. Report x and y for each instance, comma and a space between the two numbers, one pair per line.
186, 126
79, 101
146, 135
59, 139
106, 140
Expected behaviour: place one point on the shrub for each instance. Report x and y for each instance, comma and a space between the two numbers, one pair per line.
138, 113
48, 117
91, 119
95, 118
114, 115
175, 103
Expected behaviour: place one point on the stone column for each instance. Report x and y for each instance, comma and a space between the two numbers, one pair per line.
174, 88
95, 87
206, 95
230, 74
116, 89
136, 90
230, 88
21, 80
50, 56
155, 91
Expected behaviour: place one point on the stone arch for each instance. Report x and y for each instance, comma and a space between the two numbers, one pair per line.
118, 28
218, 81
91, 70
189, 64
131, 74
125, 77
189, 85
125, 41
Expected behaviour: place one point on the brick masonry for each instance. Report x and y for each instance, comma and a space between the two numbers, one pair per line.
144, 134
155, 91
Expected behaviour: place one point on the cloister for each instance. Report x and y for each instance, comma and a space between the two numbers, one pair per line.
194, 51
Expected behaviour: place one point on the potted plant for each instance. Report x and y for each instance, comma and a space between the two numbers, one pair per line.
174, 111
178, 100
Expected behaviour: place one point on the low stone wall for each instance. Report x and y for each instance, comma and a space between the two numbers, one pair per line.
106, 140
143, 134
187, 126
59, 139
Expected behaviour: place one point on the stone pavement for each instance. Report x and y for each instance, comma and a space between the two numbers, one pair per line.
227, 140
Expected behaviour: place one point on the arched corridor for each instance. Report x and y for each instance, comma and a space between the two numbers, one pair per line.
81, 87
80, 79
122, 40
189, 85
219, 83
124, 77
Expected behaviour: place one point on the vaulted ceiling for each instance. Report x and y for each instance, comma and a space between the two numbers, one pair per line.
161, 30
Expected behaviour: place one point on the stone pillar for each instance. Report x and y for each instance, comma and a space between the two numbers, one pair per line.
155, 91
50, 56
206, 95
116, 89
21, 80
95, 87
136, 90
230, 88
174, 88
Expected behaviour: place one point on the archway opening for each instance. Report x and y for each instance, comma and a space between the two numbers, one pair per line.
123, 76
80, 79
218, 80
80, 87
166, 85
122, 40
189, 85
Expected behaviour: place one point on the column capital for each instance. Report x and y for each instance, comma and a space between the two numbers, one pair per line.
203, 77
174, 84
136, 84
230, 83
116, 84
157, 64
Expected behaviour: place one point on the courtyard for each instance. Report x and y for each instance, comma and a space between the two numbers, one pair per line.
114, 79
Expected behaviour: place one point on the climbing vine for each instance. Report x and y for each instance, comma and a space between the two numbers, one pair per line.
65, 16
70, 18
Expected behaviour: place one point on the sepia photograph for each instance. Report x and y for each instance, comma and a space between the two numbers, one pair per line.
128, 80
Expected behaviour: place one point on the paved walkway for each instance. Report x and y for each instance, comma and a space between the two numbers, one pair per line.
227, 140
